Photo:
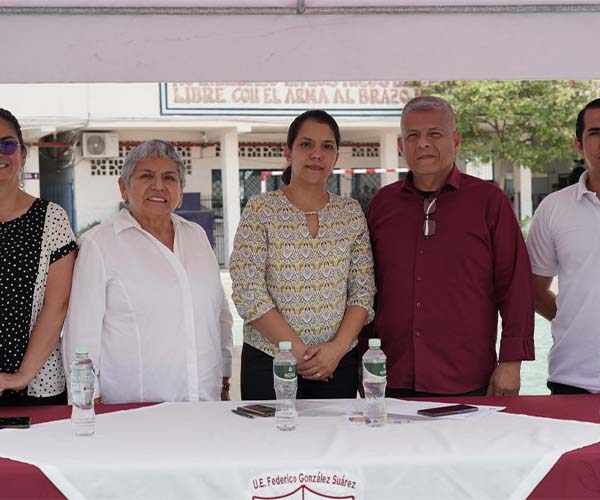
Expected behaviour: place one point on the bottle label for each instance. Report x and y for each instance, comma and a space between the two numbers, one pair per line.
82, 387
85, 377
285, 372
375, 369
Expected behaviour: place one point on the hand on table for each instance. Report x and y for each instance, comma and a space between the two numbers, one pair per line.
506, 379
320, 361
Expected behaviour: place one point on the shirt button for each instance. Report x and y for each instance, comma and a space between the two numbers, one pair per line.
419, 278
418, 304
418, 333
421, 252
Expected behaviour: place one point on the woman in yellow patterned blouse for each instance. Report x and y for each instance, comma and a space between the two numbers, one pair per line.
302, 271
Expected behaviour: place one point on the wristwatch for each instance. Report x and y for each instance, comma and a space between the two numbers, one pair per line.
226, 386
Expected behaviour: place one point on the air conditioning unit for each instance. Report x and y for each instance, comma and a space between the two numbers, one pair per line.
100, 145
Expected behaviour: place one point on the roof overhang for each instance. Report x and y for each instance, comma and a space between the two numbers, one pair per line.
188, 40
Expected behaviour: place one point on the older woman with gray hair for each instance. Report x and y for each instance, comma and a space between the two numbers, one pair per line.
147, 300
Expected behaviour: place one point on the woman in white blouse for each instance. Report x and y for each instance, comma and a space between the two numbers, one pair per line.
147, 299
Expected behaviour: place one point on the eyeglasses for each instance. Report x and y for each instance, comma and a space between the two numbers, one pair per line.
429, 207
8, 146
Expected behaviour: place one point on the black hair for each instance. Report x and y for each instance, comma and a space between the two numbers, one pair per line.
580, 125
7, 116
317, 115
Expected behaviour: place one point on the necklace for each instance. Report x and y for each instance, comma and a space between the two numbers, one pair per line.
311, 212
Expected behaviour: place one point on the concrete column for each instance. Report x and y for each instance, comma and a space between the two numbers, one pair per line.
522, 181
388, 154
346, 185
32, 171
230, 178
500, 175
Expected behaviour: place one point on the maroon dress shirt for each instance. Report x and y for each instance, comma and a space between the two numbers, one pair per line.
438, 298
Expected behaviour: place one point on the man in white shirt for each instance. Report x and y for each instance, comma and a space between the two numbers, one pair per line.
564, 240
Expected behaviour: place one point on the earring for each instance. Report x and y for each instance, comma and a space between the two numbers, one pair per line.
21, 178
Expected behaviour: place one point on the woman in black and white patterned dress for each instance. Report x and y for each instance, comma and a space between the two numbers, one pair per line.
37, 253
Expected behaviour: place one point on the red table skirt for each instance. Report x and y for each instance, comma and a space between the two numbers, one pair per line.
575, 476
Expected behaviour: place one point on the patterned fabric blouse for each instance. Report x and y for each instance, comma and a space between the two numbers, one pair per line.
28, 245
310, 281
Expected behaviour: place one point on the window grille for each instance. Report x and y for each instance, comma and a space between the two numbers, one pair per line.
185, 153
365, 151
113, 166
261, 151
110, 166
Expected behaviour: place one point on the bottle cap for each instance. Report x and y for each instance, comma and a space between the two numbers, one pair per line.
285, 345
82, 350
374, 342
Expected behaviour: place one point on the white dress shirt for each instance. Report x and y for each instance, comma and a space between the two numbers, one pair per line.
156, 323
564, 240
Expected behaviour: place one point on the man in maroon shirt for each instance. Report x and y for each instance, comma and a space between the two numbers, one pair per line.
449, 255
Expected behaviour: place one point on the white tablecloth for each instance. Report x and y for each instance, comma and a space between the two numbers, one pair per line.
204, 451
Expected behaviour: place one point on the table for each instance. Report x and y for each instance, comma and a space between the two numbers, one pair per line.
575, 475
24, 481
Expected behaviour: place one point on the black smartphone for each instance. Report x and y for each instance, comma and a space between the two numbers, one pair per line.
15, 422
258, 410
444, 411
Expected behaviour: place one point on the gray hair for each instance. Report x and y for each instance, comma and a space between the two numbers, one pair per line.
429, 103
154, 148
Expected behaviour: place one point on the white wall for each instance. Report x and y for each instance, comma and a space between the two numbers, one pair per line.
96, 197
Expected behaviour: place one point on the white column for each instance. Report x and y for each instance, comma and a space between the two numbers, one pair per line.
522, 180
345, 161
388, 154
230, 178
500, 175
346, 185
32, 171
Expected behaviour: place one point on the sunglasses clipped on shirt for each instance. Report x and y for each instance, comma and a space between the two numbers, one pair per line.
429, 207
8, 146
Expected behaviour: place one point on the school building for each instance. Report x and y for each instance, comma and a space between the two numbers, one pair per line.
230, 136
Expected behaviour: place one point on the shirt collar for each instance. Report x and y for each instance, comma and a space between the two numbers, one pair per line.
125, 220
453, 181
582, 187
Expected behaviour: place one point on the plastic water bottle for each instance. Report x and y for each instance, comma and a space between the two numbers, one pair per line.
286, 384
374, 382
83, 418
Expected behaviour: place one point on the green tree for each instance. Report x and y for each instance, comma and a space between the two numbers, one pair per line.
528, 123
